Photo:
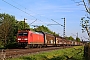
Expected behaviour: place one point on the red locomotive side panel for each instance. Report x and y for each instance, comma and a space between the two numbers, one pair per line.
35, 38
30, 38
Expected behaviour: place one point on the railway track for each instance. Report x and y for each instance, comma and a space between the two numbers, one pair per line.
10, 53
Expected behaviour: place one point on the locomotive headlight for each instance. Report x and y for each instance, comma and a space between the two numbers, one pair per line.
25, 39
19, 38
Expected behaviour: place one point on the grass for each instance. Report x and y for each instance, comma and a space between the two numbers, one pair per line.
75, 53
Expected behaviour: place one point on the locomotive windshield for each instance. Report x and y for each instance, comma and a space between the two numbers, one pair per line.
22, 34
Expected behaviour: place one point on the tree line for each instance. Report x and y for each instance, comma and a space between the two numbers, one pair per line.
9, 27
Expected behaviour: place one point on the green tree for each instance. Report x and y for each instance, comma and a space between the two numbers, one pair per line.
20, 25
9, 28
45, 29
78, 39
70, 38
6, 28
85, 25
85, 20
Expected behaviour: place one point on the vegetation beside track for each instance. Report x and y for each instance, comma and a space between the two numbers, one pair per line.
74, 53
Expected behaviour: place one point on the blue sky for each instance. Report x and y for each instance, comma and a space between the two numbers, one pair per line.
44, 10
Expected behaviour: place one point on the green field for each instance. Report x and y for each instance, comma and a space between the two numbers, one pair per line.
74, 53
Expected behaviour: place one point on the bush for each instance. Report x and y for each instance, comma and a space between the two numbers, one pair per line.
11, 45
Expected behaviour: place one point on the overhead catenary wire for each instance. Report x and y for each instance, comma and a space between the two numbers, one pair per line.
28, 9
30, 23
56, 22
36, 13
25, 11
18, 9
21, 10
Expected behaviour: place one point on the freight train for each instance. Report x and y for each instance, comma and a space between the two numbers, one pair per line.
41, 39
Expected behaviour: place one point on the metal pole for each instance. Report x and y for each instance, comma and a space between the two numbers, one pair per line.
24, 22
64, 28
77, 34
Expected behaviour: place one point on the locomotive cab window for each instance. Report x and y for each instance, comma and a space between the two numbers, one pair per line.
25, 34
22, 34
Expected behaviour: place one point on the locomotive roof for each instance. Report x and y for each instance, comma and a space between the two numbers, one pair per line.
38, 32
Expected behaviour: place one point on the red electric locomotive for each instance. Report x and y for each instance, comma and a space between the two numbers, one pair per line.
27, 37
